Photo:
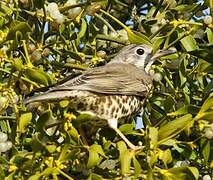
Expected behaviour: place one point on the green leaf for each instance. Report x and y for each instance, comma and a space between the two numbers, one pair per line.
51, 148
93, 159
205, 116
210, 3
37, 76
186, 109
24, 120
5, 9
184, 172
174, 127
182, 71
121, 146
64, 103
189, 43
42, 120
209, 35
97, 148
137, 38
82, 31
207, 104
3, 160
187, 7
36, 143
156, 42
68, 153
165, 156
127, 128
205, 53
169, 142
74, 134
137, 166
18, 27
153, 135
205, 149
125, 160
18, 64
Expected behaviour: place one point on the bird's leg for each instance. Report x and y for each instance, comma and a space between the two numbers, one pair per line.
113, 123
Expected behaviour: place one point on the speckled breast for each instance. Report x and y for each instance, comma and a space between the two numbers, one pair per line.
104, 107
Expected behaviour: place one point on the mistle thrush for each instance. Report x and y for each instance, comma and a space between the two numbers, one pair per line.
113, 92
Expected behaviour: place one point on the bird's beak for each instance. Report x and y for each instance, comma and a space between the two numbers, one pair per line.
161, 53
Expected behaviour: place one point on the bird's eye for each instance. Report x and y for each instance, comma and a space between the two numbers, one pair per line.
140, 51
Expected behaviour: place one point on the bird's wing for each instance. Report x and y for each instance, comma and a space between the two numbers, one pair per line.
110, 79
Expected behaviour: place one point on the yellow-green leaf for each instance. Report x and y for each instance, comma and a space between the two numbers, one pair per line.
153, 135
125, 159
189, 43
121, 146
97, 148
209, 35
93, 159
137, 166
36, 76
24, 120
137, 38
174, 127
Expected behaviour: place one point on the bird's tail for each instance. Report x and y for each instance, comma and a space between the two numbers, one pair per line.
52, 96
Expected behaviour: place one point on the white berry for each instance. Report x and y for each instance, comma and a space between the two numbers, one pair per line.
157, 77
36, 55
154, 28
3, 137
3, 147
209, 134
46, 52
59, 19
31, 47
207, 177
101, 53
207, 20
73, 12
54, 12
8, 144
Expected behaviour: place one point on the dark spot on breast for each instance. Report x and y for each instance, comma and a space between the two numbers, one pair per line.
113, 109
91, 106
119, 100
117, 109
103, 99
124, 99
123, 110
98, 100
120, 105
132, 108
109, 101
80, 105
102, 110
106, 111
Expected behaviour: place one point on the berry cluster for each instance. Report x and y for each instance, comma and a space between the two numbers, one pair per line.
5, 145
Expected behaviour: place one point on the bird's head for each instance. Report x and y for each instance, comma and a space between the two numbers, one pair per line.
141, 56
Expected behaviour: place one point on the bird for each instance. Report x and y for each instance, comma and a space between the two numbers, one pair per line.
111, 93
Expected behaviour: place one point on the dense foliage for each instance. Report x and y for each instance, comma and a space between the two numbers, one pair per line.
43, 41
